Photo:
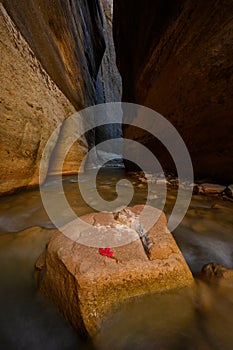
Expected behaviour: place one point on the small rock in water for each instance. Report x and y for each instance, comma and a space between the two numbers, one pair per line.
174, 182
214, 270
214, 305
161, 181
229, 191
141, 185
208, 188
142, 179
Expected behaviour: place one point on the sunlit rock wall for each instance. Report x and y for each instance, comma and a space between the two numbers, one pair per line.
67, 37
51, 54
31, 107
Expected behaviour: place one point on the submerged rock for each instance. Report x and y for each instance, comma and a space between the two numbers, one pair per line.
214, 308
214, 271
86, 285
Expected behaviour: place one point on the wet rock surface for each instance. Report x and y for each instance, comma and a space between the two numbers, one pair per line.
86, 285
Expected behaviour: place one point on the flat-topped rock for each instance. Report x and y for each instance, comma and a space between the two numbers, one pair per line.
86, 285
209, 188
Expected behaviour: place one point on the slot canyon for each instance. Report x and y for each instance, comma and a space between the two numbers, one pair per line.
156, 271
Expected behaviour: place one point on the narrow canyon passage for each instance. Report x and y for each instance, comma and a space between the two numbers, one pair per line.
60, 57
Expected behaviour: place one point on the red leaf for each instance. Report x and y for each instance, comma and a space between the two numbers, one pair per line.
106, 252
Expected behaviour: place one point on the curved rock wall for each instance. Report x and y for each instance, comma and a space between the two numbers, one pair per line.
67, 38
176, 58
31, 107
51, 56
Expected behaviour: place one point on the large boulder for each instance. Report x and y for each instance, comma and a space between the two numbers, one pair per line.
86, 285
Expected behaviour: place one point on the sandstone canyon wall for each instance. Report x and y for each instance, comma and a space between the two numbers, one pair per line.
176, 58
67, 38
51, 59
31, 107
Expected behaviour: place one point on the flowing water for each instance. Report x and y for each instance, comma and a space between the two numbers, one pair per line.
174, 320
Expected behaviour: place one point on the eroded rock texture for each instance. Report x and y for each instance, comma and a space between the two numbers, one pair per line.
86, 285
176, 58
67, 38
31, 107
49, 50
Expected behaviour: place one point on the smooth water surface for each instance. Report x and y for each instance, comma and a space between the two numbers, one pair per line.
174, 320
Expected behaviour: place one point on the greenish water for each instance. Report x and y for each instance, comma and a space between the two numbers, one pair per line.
175, 320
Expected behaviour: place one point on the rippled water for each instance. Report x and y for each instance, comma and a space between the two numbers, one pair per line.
173, 320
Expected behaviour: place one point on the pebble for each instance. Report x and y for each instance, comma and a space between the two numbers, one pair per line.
161, 181
141, 186
142, 179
